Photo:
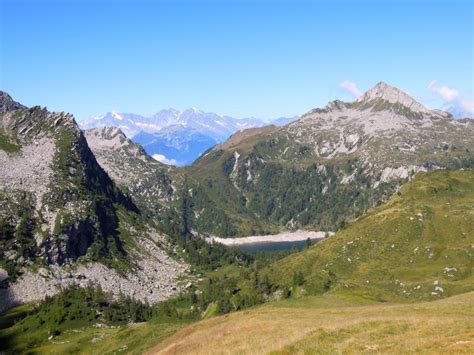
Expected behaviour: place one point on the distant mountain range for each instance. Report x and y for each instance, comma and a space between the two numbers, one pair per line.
175, 137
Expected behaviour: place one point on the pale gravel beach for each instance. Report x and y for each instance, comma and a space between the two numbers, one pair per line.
281, 237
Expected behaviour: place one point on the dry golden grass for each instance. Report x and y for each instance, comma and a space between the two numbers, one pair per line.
329, 325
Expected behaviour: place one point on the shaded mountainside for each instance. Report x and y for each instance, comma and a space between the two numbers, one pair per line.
57, 202
64, 221
419, 245
326, 168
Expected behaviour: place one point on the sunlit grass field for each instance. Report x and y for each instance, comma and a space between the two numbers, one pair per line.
333, 324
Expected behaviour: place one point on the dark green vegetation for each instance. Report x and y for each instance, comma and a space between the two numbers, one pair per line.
284, 196
417, 246
78, 313
8, 144
17, 237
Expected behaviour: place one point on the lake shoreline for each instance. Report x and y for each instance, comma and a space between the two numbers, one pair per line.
271, 238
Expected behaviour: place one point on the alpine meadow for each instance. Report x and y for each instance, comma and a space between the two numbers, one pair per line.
267, 177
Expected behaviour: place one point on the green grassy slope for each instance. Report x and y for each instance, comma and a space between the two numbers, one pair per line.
332, 324
132, 338
419, 245
87, 320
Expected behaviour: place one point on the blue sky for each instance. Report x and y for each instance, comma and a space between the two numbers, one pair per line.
240, 58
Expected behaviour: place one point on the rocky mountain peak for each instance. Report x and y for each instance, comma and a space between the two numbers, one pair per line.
112, 139
106, 136
384, 92
8, 104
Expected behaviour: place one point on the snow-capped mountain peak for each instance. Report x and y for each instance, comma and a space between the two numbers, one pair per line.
117, 115
178, 136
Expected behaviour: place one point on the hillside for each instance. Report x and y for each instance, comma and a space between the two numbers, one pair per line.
326, 168
363, 289
64, 221
372, 280
322, 325
52, 189
419, 245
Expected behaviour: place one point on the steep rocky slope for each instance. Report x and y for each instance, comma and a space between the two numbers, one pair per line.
59, 209
146, 180
327, 167
53, 191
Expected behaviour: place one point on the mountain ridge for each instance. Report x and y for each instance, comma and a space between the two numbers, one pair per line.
177, 137
342, 158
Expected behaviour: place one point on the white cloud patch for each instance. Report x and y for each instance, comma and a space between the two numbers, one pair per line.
447, 94
452, 99
162, 159
350, 87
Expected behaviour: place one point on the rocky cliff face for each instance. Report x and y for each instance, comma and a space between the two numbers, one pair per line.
62, 213
146, 180
55, 198
330, 165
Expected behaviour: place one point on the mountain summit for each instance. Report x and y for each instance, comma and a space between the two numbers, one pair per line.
336, 162
8, 104
382, 92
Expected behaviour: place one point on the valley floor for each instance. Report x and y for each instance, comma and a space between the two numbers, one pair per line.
333, 324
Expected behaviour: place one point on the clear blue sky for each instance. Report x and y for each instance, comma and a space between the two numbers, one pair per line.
241, 58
